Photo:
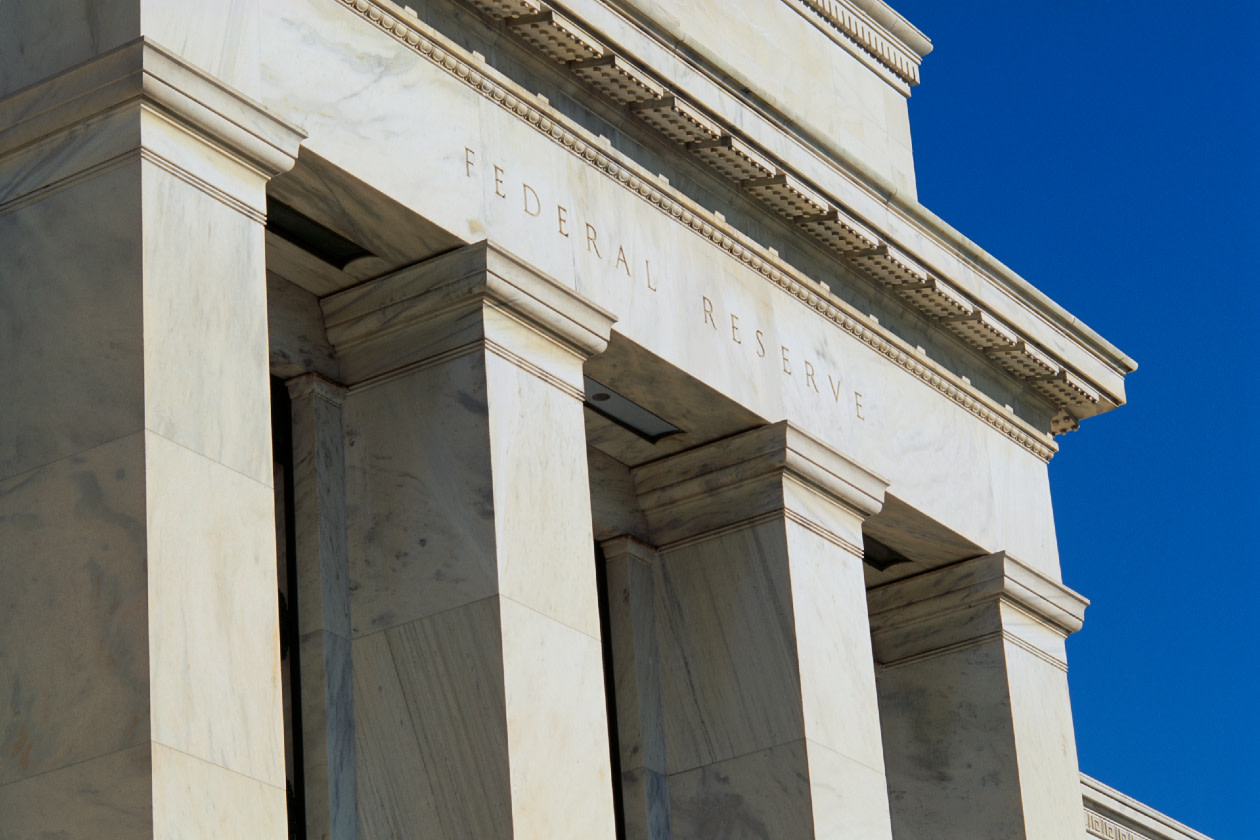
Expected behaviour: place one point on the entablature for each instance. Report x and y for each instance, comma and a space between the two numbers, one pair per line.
898, 245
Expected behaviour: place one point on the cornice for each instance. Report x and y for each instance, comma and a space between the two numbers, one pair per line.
146, 72
783, 193
877, 30
1110, 815
900, 28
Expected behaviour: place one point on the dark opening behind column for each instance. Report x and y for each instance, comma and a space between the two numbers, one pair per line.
286, 575
610, 691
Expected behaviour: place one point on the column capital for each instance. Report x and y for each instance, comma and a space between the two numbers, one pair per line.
144, 72
477, 295
627, 546
762, 471
971, 602
313, 385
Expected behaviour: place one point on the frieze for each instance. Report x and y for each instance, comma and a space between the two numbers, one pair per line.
700, 221
1099, 826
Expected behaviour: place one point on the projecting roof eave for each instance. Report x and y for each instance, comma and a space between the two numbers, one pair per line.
1021, 290
888, 17
853, 212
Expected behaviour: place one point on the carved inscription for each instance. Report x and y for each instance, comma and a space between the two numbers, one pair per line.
531, 204
790, 363
758, 341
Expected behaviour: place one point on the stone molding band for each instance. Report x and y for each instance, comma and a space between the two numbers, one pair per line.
57, 185
627, 546
708, 225
975, 641
1096, 825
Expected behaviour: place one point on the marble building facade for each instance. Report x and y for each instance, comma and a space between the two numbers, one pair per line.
634, 456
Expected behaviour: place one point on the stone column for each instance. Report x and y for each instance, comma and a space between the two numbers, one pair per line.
139, 647
478, 681
323, 605
636, 656
974, 700
770, 717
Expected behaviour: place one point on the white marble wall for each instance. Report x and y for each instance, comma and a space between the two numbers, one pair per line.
977, 722
138, 624
478, 684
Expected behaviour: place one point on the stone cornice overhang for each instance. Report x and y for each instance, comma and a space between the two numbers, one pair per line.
855, 242
1110, 815
873, 32
991, 308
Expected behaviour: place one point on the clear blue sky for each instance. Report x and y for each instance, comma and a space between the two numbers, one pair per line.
1107, 151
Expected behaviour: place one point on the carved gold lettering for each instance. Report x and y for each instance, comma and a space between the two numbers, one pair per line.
708, 313
647, 269
735, 328
787, 368
857, 405
469, 154
562, 219
835, 387
621, 260
527, 192
761, 347
590, 239
809, 377
498, 182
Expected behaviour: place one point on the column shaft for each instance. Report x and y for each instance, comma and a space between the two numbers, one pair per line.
635, 660
323, 604
138, 626
478, 680
770, 717
974, 700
